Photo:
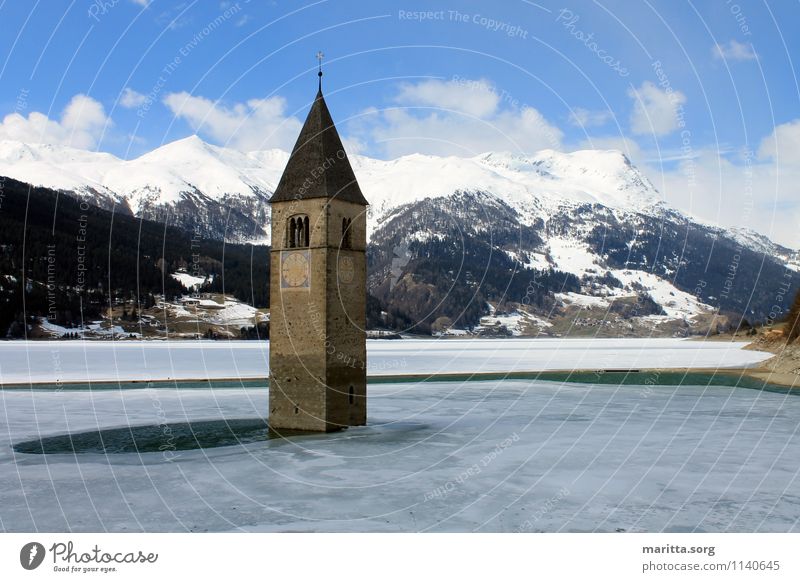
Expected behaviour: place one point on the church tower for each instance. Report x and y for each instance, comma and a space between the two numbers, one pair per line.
318, 354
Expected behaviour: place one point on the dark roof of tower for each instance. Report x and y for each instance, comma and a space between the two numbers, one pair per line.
318, 166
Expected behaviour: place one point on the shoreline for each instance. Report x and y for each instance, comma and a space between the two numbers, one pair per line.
782, 368
789, 380
142, 364
759, 374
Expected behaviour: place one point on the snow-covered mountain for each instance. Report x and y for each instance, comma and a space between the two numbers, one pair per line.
219, 192
589, 214
538, 186
190, 169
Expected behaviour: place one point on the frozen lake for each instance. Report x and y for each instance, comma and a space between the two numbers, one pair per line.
78, 361
510, 455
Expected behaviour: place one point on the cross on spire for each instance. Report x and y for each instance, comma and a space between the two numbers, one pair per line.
320, 56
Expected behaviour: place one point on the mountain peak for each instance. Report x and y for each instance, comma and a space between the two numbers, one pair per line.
192, 143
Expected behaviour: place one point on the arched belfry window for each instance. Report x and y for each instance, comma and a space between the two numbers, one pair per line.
297, 232
347, 233
291, 229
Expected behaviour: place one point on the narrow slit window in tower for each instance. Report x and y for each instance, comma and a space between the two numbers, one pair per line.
346, 233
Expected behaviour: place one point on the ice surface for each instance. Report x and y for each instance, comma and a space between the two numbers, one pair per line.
509, 455
78, 361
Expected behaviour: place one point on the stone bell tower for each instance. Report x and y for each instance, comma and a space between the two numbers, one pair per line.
318, 354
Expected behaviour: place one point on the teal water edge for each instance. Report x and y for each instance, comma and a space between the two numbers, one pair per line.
728, 378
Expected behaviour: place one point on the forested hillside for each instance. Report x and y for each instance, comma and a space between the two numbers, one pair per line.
69, 260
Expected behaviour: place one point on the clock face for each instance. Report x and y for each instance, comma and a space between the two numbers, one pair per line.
294, 270
347, 269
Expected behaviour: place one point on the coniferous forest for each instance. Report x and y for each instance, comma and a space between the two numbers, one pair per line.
69, 261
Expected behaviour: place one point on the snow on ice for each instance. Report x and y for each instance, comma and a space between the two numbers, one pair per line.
93, 361
509, 455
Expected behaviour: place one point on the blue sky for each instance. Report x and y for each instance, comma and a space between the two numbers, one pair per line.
702, 95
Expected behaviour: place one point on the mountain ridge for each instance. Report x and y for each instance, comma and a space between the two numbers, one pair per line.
589, 218
191, 165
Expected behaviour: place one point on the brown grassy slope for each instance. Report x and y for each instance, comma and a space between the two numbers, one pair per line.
784, 367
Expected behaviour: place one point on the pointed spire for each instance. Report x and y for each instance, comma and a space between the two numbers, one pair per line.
318, 166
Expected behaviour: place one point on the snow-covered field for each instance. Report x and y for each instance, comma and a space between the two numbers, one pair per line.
574, 256
510, 455
190, 282
76, 361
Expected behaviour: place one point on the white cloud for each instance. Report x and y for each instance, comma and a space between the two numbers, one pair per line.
458, 117
783, 145
734, 51
655, 111
131, 99
584, 118
741, 191
254, 125
82, 123
142, 3
473, 97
